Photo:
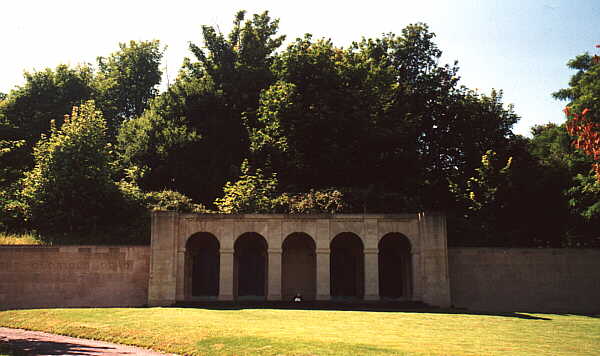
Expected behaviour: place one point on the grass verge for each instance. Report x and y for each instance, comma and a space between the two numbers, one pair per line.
20, 239
317, 332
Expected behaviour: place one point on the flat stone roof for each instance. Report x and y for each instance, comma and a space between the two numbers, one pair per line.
297, 216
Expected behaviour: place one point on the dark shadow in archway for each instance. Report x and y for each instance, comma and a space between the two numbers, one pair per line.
347, 267
395, 268
298, 267
202, 264
250, 266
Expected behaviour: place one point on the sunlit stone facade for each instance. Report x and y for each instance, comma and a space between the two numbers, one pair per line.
274, 257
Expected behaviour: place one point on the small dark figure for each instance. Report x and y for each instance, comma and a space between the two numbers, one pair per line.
297, 298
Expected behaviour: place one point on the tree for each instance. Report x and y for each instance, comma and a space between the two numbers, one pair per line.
587, 136
384, 120
584, 86
583, 124
12, 210
204, 107
46, 95
71, 187
484, 195
559, 164
583, 109
127, 80
533, 202
350, 105
551, 146
26, 113
7, 172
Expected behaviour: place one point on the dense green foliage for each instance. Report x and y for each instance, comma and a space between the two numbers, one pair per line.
584, 87
71, 183
127, 81
251, 127
583, 96
122, 86
192, 139
384, 120
26, 112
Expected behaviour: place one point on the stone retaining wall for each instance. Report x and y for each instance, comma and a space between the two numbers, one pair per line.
515, 279
486, 279
73, 276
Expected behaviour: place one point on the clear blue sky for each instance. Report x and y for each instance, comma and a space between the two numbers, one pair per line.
520, 47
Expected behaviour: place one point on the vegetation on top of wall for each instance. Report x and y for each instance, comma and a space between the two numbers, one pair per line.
24, 238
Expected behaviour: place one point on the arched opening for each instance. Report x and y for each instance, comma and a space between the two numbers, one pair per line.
347, 266
250, 266
202, 266
299, 267
395, 269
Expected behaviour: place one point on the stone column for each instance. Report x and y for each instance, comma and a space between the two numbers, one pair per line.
371, 274
323, 236
371, 259
274, 275
226, 274
323, 279
181, 277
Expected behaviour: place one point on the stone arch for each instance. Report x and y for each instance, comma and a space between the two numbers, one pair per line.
395, 266
250, 266
202, 264
298, 266
347, 266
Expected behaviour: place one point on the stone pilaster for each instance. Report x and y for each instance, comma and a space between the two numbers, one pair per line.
371, 274
435, 289
417, 277
226, 274
163, 262
181, 274
274, 274
323, 279
323, 238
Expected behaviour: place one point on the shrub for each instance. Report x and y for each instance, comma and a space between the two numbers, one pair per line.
173, 201
313, 202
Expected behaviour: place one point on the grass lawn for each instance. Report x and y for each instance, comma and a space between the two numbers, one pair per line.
317, 332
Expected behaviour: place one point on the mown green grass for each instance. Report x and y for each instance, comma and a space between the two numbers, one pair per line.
298, 332
19, 239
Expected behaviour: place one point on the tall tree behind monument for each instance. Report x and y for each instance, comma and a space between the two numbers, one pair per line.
192, 138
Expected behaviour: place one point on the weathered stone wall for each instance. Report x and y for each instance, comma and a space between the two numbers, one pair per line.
73, 276
490, 279
516, 279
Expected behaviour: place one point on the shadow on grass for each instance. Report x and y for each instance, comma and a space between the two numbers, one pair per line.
380, 307
33, 346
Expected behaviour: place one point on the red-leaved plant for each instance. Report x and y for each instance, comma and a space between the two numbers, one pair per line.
587, 133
